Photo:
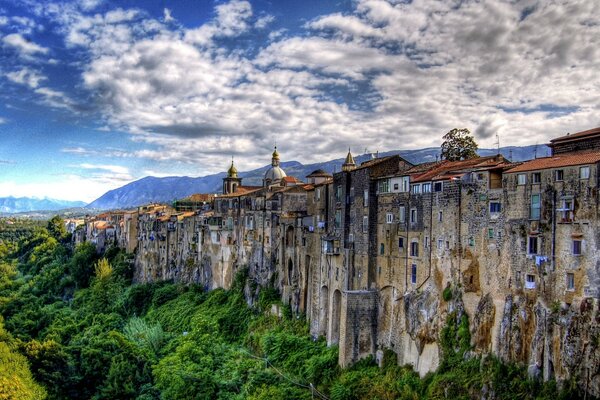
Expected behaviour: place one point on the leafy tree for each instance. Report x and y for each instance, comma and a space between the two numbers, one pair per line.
56, 227
16, 381
459, 144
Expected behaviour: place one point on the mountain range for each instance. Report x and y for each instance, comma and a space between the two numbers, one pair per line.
22, 204
151, 189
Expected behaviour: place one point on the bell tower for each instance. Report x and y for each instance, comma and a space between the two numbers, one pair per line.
231, 182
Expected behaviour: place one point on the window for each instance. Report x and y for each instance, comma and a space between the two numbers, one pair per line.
570, 281
440, 216
317, 194
495, 207
381, 249
338, 193
521, 179
534, 211
536, 177
584, 173
426, 244
384, 186
365, 224
438, 186
415, 189
413, 274
413, 215
427, 188
395, 187
414, 249
566, 210
440, 244
490, 233
576, 247
447, 244
402, 214
532, 245
338, 219
351, 237
559, 175
400, 243
366, 198
389, 218
530, 281
405, 183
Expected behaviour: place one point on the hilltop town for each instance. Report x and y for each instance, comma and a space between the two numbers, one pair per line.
378, 255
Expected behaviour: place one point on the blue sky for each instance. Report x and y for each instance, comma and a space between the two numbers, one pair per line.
97, 93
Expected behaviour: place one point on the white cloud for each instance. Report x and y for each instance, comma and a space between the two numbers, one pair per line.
167, 17
3, 120
263, 21
22, 45
89, 5
26, 76
388, 75
115, 169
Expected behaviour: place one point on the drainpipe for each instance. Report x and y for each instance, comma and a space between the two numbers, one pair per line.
407, 224
553, 260
430, 239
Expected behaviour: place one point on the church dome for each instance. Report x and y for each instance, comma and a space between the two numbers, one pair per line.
232, 172
275, 173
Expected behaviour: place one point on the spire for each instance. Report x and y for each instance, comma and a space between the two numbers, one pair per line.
275, 159
232, 172
349, 164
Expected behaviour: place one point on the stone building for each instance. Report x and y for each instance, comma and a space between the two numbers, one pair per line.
379, 254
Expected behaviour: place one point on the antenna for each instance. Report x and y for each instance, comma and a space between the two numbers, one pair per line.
510, 155
535, 150
497, 143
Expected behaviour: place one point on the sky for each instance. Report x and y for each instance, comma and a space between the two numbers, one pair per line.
97, 93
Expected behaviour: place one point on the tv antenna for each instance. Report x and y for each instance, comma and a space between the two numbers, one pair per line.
497, 143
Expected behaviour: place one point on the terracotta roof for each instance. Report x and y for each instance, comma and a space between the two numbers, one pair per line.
290, 179
444, 170
557, 161
576, 136
240, 191
200, 197
319, 173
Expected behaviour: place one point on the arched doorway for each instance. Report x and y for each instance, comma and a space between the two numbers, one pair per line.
336, 314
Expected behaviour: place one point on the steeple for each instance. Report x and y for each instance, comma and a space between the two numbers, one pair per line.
275, 159
349, 164
232, 172
231, 182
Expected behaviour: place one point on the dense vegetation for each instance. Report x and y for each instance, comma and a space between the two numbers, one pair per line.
75, 327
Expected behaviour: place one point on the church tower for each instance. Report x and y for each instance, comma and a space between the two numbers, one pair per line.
231, 182
349, 164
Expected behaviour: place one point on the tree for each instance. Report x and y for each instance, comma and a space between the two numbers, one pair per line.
56, 227
459, 144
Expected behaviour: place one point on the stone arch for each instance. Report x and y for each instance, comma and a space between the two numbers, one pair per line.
336, 315
323, 309
290, 271
385, 316
289, 236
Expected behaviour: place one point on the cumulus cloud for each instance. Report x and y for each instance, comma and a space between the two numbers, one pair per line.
23, 46
387, 75
26, 76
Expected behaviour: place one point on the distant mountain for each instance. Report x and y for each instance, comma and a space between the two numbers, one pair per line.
24, 204
151, 189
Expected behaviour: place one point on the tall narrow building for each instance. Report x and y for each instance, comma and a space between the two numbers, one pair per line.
232, 181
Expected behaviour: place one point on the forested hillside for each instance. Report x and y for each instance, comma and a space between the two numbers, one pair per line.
74, 326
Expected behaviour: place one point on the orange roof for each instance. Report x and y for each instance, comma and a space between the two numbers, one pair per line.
557, 161
576, 136
447, 169
200, 197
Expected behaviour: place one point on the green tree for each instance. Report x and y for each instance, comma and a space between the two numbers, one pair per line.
16, 381
459, 144
56, 227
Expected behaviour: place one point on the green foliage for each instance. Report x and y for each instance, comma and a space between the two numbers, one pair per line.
56, 227
459, 144
16, 381
447, 293
82, 331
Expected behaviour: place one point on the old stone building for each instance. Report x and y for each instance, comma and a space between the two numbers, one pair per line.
377, 255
